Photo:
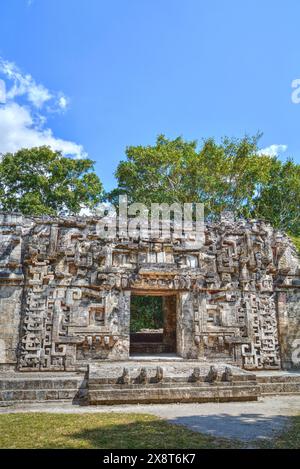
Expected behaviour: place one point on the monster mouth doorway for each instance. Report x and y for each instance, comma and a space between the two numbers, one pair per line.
152, 325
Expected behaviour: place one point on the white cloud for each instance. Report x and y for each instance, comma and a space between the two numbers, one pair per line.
63, 102
18, 130
24, 124
38, 95
25, 85
273, 150
2, 92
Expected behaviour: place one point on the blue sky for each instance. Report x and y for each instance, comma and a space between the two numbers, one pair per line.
92, 76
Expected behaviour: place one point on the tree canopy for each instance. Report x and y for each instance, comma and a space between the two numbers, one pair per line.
230, 175
39, 181
279, 200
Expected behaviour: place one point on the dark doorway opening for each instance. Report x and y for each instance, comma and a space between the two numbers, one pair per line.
152, 324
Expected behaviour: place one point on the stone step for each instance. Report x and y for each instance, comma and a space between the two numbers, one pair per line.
278, 378
168, 385
38, 395
149, 348
168, 381
280, 383
176, 373
280, 388
175, 394
281, 393
175, 384
103, 386
27, 384
41, 388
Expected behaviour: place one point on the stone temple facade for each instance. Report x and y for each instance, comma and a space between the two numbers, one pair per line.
65, 294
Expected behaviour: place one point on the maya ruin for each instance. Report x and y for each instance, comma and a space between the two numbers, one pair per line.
230, 309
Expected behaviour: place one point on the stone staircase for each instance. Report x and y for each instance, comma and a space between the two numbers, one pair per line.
148, 382
41, 387
149, 343
155, 381
280, 382
148, 348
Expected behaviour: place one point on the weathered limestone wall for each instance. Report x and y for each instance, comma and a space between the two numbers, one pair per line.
289, 328
170, 322
10, 307
65, 293
11, 288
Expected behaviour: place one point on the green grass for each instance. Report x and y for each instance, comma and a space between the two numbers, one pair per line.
99, 430
289, 439
296, 241
119, 430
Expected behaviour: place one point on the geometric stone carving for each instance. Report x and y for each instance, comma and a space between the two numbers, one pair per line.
159, 374
212, 375
65, 293
143, 376
227, 375
196, 375
125, 378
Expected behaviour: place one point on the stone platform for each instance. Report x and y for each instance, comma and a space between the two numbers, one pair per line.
158, 382
165, 381
42, 387
273, 383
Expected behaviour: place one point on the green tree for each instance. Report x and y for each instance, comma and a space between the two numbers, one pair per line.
146, 313
279, 199
232, 175
227, 175
40, 181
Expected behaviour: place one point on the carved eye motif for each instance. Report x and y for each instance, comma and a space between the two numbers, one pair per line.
97, 315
